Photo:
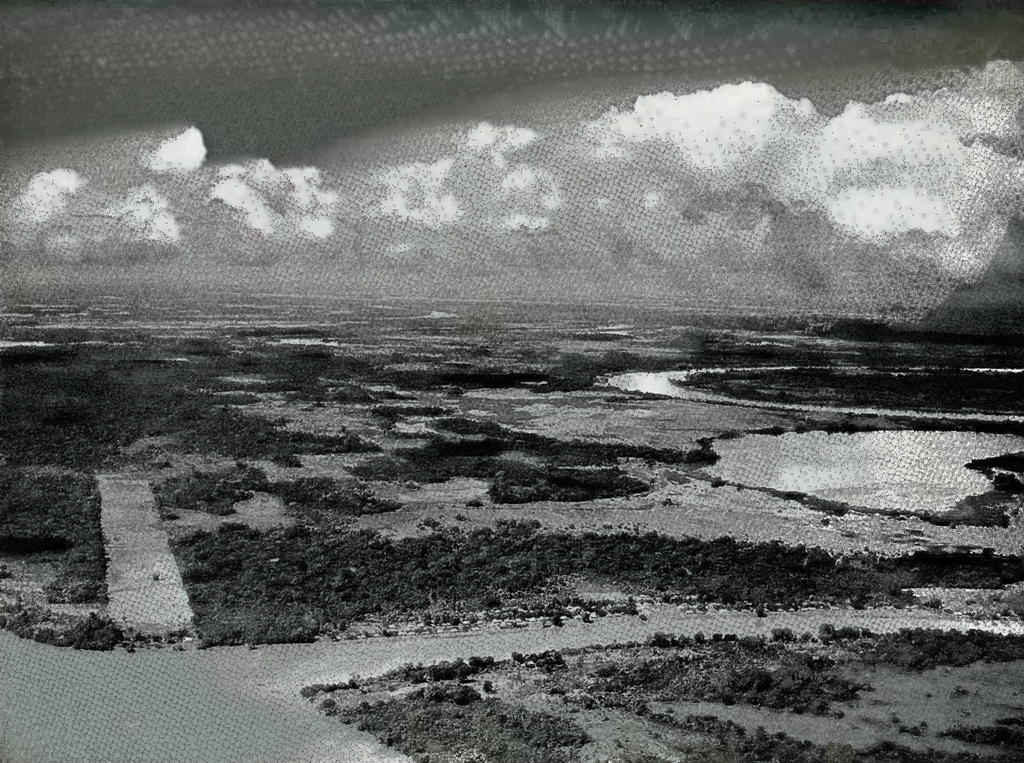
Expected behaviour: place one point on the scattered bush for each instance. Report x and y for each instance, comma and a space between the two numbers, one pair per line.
1006, 733
321, 498
922, 649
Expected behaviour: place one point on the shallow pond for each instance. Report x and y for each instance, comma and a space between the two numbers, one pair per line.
902, 470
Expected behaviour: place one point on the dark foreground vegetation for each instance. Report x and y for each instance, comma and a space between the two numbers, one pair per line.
445, 722
435, 729
294, 584
1005, 733
94, 632
734, 744
912, 649
925, 648
751, 672
53, 516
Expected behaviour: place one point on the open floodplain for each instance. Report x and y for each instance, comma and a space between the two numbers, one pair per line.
288, 530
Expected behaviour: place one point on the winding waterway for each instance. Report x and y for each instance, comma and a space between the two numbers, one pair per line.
671, 384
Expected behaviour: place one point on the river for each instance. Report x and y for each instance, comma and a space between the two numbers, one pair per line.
235, 704
669, 384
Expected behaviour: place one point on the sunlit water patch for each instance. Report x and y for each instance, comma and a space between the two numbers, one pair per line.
901, 470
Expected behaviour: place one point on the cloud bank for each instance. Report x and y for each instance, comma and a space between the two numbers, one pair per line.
704, 188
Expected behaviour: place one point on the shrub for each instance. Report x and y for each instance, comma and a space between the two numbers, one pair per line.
212, 492
322, 498
94, 633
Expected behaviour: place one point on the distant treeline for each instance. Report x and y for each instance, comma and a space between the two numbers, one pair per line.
866, 330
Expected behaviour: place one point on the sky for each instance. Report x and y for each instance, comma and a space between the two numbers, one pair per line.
867, 187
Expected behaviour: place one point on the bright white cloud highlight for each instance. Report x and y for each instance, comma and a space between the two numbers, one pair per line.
148, 213
879, 170
237, 194
714, 129
277, 201
181, 153
878, 211
319, 227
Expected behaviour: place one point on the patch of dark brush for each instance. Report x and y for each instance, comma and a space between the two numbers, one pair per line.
449, 720
321, 579
1008, 737
321, 499
395, 413
56, 513
213, 492
79, 412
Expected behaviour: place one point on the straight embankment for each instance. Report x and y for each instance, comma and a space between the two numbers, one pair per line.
144, 584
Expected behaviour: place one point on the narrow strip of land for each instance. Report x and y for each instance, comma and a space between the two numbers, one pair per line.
143, 581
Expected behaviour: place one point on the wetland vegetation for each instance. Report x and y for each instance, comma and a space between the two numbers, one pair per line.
648, 688
366, 448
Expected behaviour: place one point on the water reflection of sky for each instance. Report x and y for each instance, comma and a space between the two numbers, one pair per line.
900, 470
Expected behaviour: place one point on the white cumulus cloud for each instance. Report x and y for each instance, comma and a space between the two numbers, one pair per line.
277, 200
909, 162
320, 227
148, 213
495, 142
878, 211
182, 153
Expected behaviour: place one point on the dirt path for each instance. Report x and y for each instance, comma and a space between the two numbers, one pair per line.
143, 581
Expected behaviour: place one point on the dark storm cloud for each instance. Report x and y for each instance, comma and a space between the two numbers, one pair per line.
281, 83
